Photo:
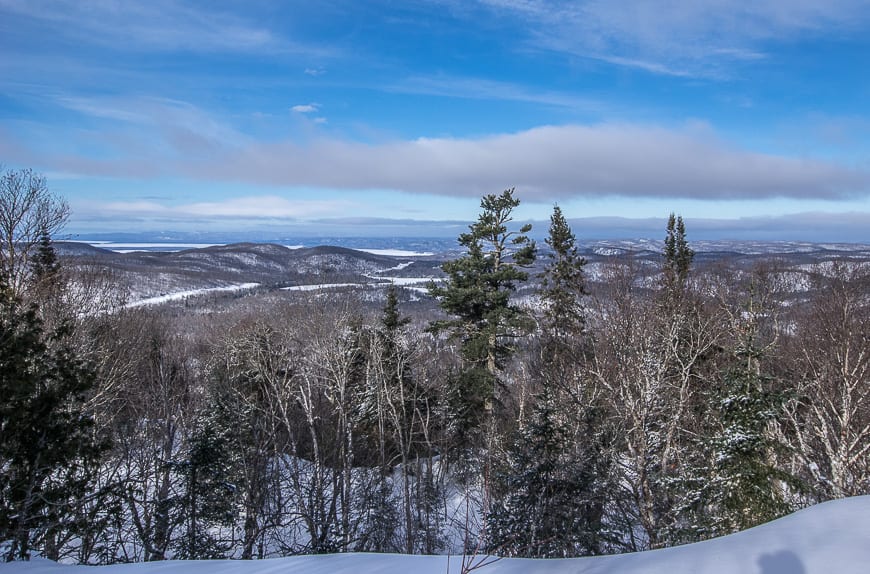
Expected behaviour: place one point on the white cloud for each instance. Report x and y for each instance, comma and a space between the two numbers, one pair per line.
305, 108
675, 37
253, 207
482, 89
155, 25
159, 137
546, 163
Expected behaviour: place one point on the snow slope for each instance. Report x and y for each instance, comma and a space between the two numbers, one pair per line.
833, 537
180, 295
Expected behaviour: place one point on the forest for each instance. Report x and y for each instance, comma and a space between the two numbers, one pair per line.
521, 414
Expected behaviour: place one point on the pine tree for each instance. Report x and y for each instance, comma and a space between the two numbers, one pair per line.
44, 264
553, 492
48, 450
563, 283
564, 340
209, 486
543, 508
733, 482
678, 256
477, 293
745, 488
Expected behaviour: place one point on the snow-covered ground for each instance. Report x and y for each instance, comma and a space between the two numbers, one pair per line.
395, 252
398, 267
136, 247
179, 295
321, 286
828, 538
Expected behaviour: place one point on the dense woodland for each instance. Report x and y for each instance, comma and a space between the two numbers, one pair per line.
653, 410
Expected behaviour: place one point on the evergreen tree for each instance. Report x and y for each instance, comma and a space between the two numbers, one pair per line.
738, 486
745, 488
564, 340
553, 491
477, 293
563, 282
207, 502
678, 256
236, 426
392, 319
543, 508
48, 451
44, 264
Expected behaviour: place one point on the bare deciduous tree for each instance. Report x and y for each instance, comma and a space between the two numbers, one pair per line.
28, 213
829, 423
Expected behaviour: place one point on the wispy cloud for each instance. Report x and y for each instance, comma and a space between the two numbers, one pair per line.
674, 37
252, 207
176, 126
305, 108
483, 89
153, 25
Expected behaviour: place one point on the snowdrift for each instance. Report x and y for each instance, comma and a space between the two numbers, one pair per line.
833, 537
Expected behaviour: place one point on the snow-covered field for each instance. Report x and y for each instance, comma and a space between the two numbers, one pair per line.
321, 286
833, 537
180, 295
395, 252
136, 247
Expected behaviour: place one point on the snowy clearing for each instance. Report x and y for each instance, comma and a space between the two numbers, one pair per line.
321, 286
135, 247
403, 281
829, 537
398, 267
395, 252
185, 294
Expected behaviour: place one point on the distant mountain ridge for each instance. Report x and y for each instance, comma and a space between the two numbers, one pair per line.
151, 273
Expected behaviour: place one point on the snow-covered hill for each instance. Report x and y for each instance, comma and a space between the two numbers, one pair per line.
164, 274
833, 537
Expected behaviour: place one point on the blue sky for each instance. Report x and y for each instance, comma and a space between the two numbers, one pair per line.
388, 118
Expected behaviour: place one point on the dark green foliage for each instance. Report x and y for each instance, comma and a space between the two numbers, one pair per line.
207, 502
559, 472
678, 256
477, 293
243, 434
48, 450
739, 485
392, 319
44, 264
745, 488
381, 517
565, 345
563, 283
546, 505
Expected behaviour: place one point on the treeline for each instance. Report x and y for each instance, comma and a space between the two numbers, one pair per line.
657, 409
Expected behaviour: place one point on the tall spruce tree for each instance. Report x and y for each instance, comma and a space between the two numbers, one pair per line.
48, 449
209, 482
744, 487
44, 264
551, 494
543, 508
477, 293
563, 282
677, 254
